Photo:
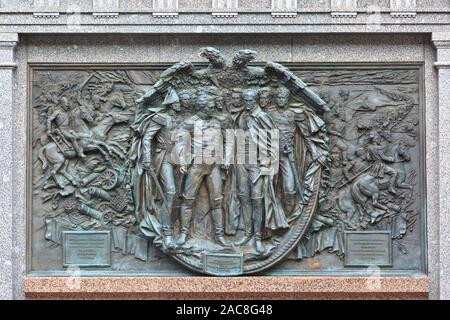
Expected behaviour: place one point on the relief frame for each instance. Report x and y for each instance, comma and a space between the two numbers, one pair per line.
296, 67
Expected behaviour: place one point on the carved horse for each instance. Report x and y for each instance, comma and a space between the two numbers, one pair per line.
362, 196
100, 131
53, 154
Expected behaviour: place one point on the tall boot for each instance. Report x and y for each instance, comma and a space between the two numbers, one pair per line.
258, 224
166, 221
167, 233
185, 219
392, 184
290, 202
219, 231
78, 149
248, 223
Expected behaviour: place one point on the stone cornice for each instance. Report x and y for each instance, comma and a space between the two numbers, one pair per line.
8, 38
441, 41
427, 22
209, 6
140, 15
182, 16
8, 42
441, 44
259, 10
222, 26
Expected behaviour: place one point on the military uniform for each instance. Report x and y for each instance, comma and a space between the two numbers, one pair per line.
201, 149
62, 118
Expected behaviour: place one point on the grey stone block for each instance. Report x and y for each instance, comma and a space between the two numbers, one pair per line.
7, 62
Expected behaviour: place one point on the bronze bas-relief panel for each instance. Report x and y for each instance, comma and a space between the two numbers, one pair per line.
348, 159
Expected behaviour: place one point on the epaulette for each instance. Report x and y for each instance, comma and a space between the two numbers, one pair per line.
159, 119
189, 123
296, 107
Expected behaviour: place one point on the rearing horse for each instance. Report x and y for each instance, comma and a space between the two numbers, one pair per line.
51, 152
365, 190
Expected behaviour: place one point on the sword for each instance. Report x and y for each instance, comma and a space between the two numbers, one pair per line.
158, 187
354, 177
294, 170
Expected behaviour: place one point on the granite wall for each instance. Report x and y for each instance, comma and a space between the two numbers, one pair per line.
153, 48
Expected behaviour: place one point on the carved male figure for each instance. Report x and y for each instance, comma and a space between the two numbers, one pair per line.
187, 101
285, 121
336, 131
235, 105
355, 164
204, 155
221, 114
151, 153
95, 106
376, 154
265, 97
62, 118
254, 173
158, 158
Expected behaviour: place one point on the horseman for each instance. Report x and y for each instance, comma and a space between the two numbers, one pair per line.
376, 154
62, 117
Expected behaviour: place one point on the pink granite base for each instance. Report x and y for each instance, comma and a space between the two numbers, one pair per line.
227, 288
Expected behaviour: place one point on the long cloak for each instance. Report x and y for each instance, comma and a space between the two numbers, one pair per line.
142, 183
260, 126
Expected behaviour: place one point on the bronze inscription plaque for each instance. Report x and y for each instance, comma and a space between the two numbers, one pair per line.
369, 248
87, 248
223, 264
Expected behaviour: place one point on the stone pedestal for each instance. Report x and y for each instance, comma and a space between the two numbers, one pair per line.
304, 288
8, 44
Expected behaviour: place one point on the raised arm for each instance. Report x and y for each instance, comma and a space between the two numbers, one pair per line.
297, 86
50, 119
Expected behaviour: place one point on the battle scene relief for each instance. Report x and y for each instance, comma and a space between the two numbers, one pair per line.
226, 168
